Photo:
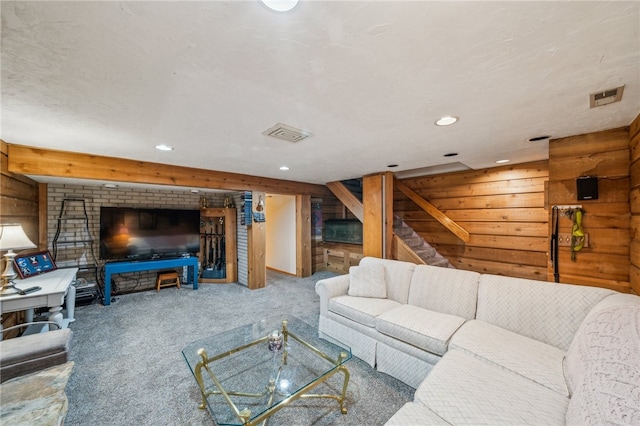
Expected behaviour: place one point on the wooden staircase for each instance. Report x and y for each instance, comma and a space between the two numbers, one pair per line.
420, 248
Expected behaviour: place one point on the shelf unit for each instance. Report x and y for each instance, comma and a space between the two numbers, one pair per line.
218, 246
73, 243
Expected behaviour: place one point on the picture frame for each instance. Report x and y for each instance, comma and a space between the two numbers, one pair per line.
32, 264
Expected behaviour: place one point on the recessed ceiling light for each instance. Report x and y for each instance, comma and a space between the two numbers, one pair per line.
446, 121
194, 191
111, 186
284, 168
163, 147
502, 161
450, 154
280, 5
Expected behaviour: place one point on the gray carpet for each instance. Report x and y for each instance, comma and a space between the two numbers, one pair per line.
129, 366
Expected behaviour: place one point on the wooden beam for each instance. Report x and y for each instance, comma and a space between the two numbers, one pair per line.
372, 225
256, 250
46, 162
43, 215
303, 236
387, 206
347, 198
433, 211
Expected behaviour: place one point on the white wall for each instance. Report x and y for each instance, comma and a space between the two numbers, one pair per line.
280, 228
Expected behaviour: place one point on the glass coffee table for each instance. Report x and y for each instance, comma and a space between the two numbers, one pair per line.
249, 373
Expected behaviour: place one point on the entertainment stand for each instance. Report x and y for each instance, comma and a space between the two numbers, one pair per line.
148, 265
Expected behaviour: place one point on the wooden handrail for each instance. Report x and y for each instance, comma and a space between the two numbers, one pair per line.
432, 210
347, 198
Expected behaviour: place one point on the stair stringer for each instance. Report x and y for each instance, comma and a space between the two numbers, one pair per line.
418, 245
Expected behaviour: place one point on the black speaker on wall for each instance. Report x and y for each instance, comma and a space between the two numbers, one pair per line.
587, 187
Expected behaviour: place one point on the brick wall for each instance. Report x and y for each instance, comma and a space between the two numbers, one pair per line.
97, 196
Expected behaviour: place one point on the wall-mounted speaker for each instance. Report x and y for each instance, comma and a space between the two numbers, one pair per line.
587, 187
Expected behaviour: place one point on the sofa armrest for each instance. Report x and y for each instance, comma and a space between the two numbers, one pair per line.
35, 352
331, 287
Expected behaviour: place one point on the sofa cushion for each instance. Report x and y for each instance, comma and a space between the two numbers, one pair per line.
603, 367
367, 281
548, 312
446, 290
419, 327
397, 276
363, 310
413, 414
464, 389
530, 358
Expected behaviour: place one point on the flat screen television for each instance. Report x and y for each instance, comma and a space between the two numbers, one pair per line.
138, 233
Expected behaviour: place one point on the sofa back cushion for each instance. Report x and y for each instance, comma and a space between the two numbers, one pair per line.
397, 276
548, 312
603, 364
446, 290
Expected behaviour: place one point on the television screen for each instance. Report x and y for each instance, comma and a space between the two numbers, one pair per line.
132, 233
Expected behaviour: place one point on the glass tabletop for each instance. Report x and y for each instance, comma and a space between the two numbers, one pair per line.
250, 370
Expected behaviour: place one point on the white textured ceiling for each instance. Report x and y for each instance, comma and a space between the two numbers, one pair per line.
368, 79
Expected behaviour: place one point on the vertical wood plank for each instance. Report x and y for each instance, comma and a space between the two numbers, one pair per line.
231, 244
634, 174
257, 245
43, 212
303, 236
388, 214
372, 225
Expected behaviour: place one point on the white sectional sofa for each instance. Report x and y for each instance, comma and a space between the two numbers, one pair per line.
488, 349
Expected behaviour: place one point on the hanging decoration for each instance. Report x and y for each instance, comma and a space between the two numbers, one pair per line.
577, 233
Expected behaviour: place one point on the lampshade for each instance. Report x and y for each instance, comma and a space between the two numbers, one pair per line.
12, 237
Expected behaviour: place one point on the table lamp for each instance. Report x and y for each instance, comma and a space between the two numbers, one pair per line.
12, 237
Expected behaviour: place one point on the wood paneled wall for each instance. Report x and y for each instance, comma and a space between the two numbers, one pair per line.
502, 208
19, 199
605, 263
19, 203
634, 204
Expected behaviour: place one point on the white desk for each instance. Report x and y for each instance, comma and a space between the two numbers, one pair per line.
55, 286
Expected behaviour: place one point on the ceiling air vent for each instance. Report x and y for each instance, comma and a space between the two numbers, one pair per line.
605, 98
286, 133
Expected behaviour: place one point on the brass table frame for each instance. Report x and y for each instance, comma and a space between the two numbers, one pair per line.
245, 415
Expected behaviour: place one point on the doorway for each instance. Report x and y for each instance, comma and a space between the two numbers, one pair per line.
280, 233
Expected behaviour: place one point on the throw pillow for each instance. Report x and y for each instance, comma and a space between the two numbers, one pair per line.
368, 282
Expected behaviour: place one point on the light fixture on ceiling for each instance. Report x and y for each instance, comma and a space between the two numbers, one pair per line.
284, 168
502, 161
164, 147
280, 5
194, 191
392, 166
450, 154
446, 120
111, 186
